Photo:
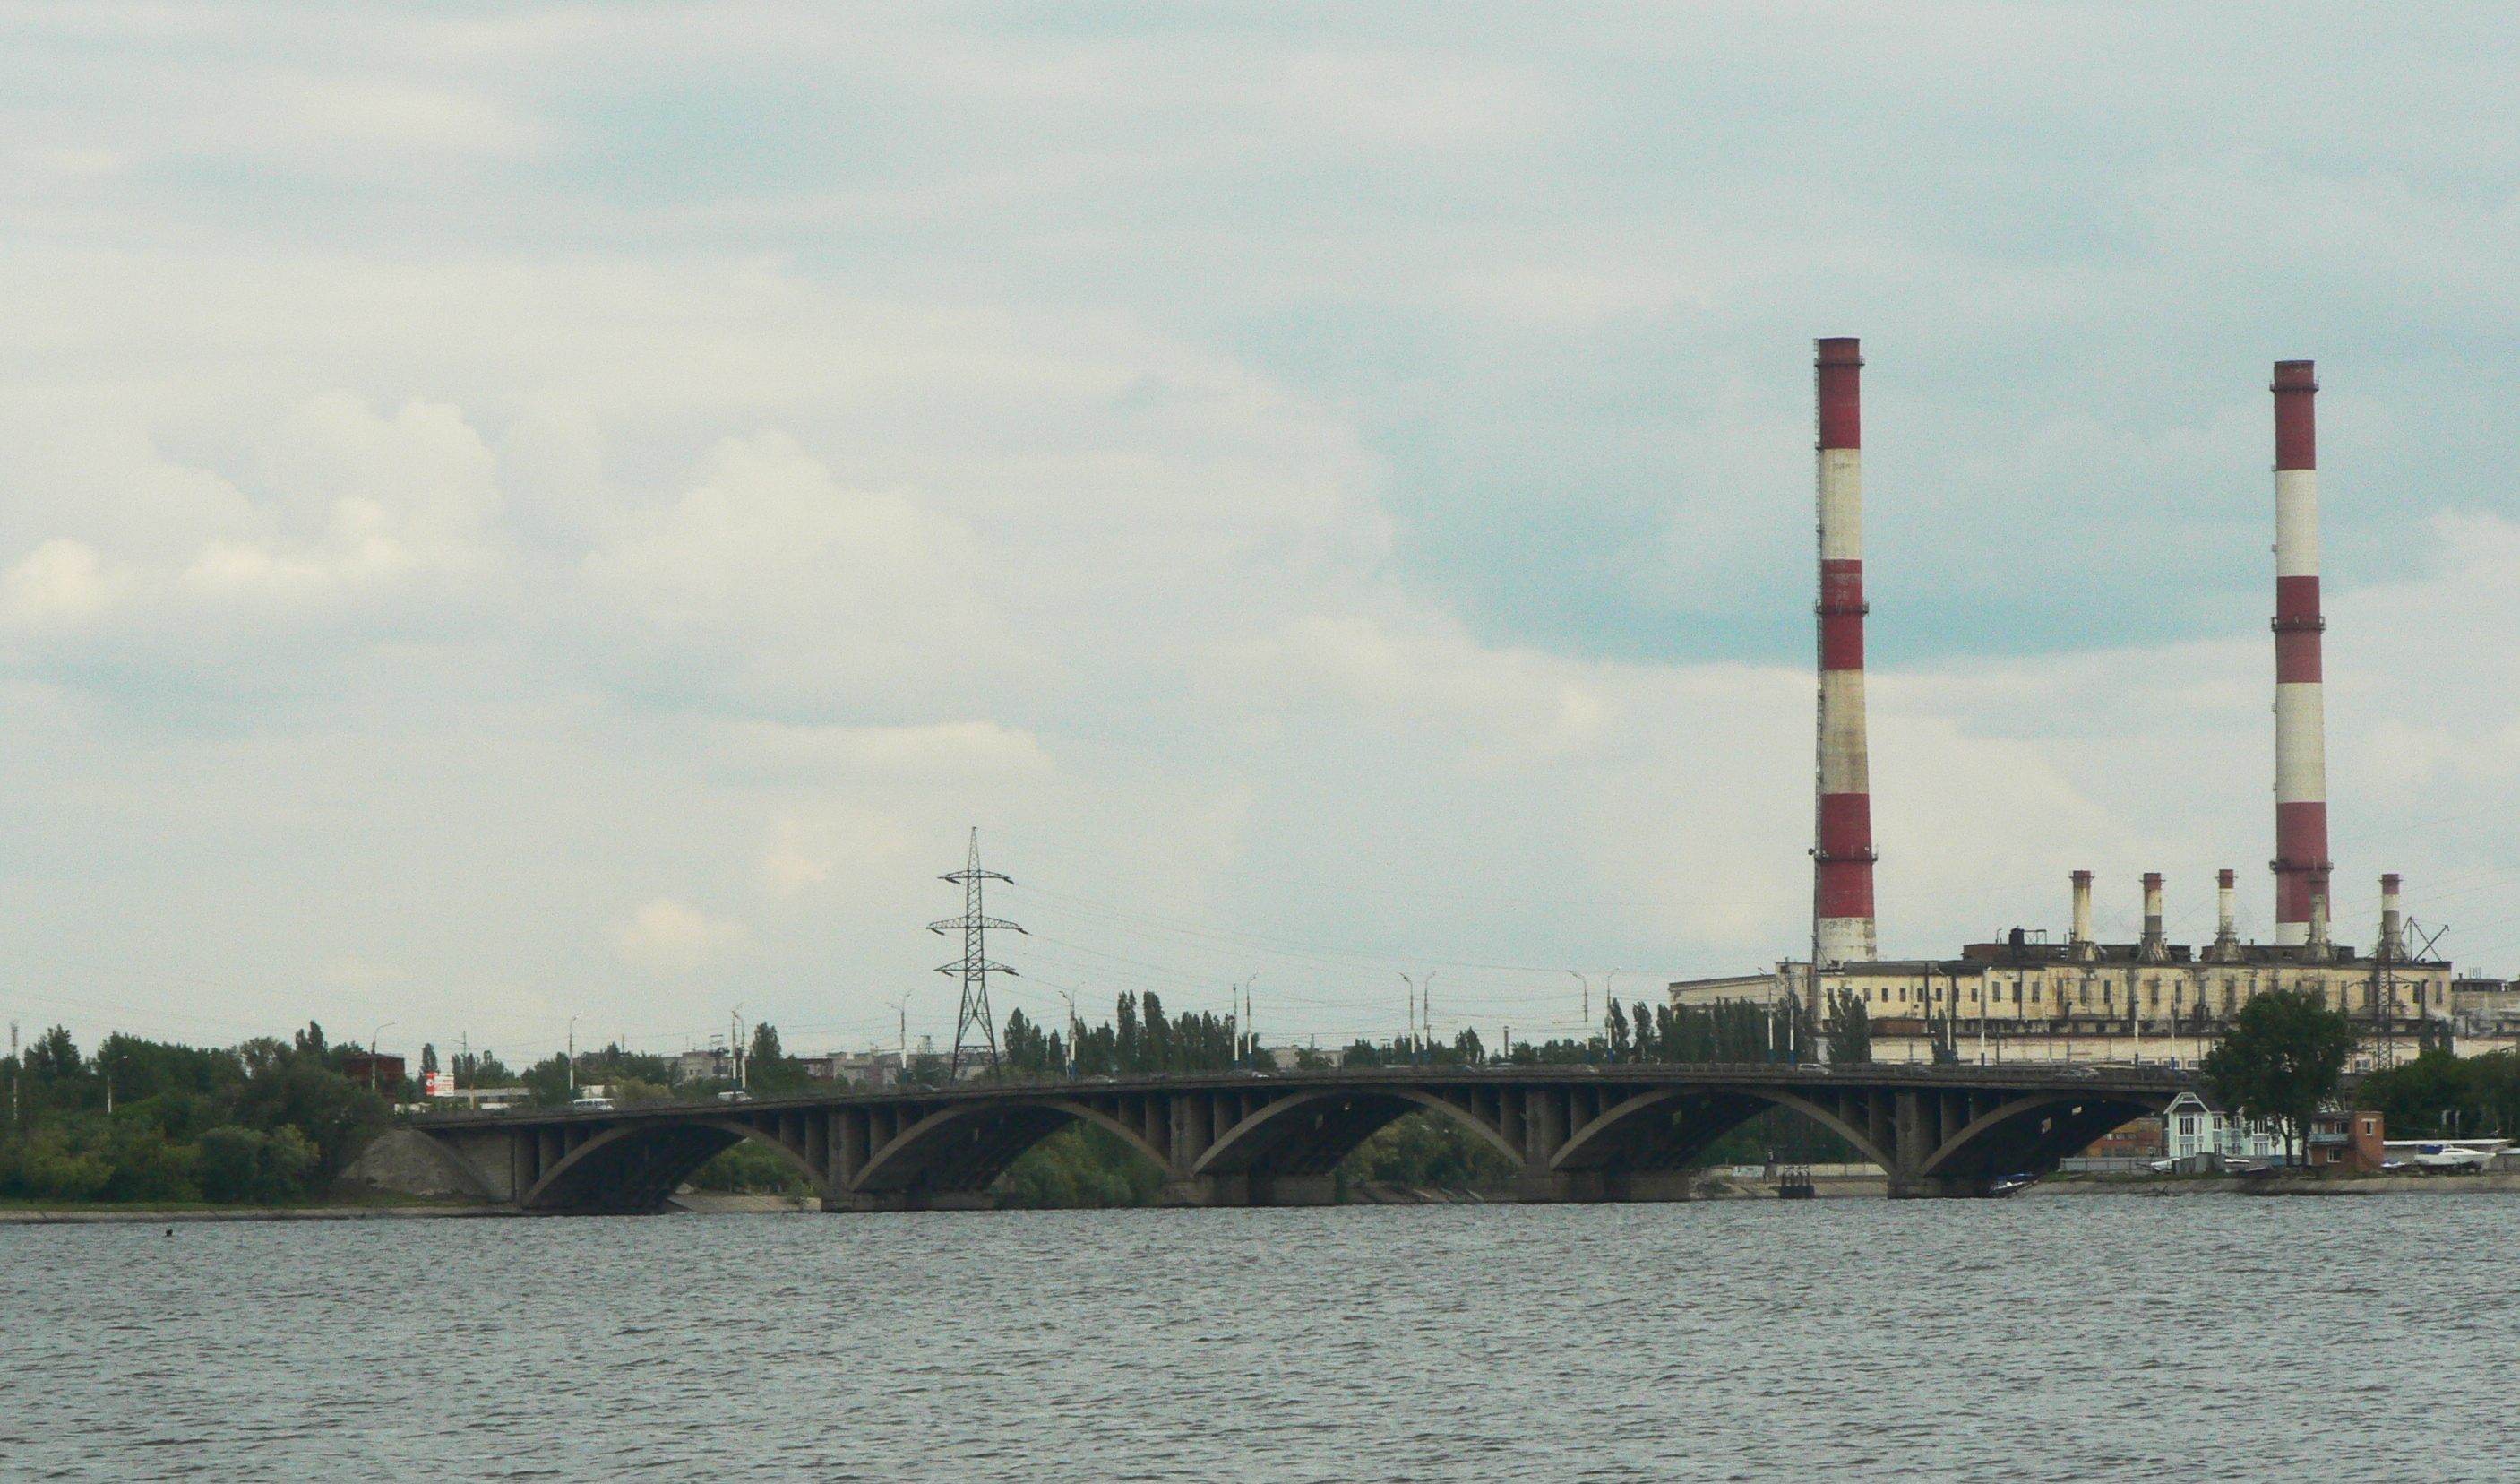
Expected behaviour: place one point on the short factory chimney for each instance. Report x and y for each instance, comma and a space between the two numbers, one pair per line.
2393, 930
2153, 947
2082, 943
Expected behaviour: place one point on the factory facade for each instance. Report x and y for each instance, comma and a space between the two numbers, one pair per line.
2029, 996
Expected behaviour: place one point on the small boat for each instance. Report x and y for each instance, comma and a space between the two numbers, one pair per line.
2007, 1185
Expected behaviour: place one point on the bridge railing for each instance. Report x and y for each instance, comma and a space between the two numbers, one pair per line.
2025, 1075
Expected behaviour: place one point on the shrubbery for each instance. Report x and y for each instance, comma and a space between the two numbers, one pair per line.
267, 1122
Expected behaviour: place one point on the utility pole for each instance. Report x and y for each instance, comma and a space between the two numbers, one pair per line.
573, 1058
1073, 1026
735, 1045
375, 1037
1586, 1019
974, 965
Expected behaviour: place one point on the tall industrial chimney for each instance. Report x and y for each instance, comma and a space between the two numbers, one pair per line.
2301, 864
1843, 927
2152, 942
2392, 933
2226, 925
2081, 914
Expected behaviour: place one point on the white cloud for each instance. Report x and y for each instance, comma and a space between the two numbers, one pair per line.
769, 566
667, 937
61, 583
1319, 493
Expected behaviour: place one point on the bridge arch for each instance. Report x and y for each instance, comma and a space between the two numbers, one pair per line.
1310, 1132
2029, 1134
636, 1166
1667, 1128
965, 1148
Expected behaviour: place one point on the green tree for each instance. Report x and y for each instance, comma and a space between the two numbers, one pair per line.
1615, 1021
238, 1165
56, 1162
2283, 1056
1426, 1149
330, 1113
1083, 1165
750, 1167
57, 1075
2430, 1094
1850, 1027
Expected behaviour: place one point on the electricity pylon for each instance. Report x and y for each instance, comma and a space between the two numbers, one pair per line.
974, 965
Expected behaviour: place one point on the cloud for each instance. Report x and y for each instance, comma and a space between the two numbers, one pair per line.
777, 579
667, 937
61, 583
1323, 493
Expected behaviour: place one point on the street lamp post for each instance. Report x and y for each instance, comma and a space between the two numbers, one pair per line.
573, 1058
373, 1054
1071, 1031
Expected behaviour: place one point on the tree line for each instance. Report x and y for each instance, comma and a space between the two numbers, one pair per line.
1141, 1040
269, 1122
265, 1122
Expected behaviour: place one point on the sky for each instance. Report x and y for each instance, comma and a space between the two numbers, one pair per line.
521, 520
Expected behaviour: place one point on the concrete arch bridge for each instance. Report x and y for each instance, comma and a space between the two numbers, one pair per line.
1575, 1132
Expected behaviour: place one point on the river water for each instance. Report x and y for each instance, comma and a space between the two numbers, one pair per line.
2083, 1338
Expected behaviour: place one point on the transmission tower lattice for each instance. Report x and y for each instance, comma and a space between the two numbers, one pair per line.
973, 966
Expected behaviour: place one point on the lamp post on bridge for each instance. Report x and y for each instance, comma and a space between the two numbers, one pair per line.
1072, 1025
373, 1054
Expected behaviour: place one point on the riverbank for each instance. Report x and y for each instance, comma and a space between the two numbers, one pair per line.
2294, 1185
415, 1209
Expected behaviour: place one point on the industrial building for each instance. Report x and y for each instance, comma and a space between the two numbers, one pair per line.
2031, 996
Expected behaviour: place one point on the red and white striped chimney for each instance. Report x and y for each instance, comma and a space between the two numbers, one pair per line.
2301, 864
1843, 927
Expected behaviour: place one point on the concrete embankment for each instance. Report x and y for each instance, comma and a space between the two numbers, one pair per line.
2304, 1184
89, 1216
721, 1203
